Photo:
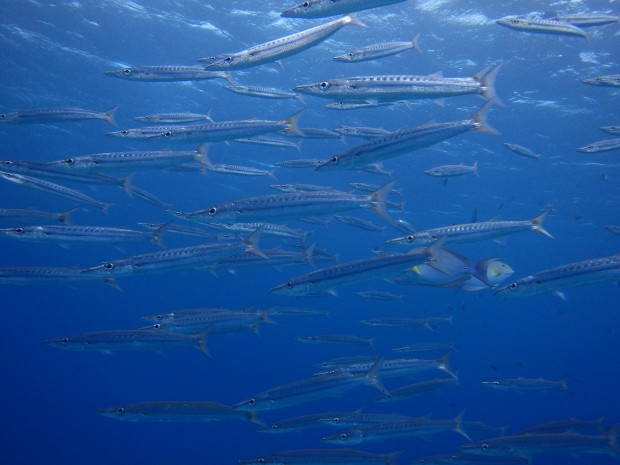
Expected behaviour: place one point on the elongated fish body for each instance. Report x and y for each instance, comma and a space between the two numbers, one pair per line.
542, 26
319, 386
300, 187
356, 104
375, 51
452, 170
262, 92
388, 88
358, 418
360, 131
47, 170
211, 132
399, 367
604, 145
520, 150
20, 216
322, 457
610, 80
272, 229
172, 118
213, 321
408, 140
128, 340
56, 189
471, 232
68, 234
402, 428
326, 280
234, 169
317, 133
526, 384
418, 389
130, 161
55, 115
573, 425
429, 322
271, 141
611, 129
527, 445
325, 8
294, 205
596, 270
460, 458
167, 73
585, 20
42, 275
175, 411
199, 256
279, 48
335, 339
300, 423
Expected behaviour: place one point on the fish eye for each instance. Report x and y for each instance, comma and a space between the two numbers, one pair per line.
496, 383
252, 401
228, 59
274, 426
260, 460
3, 115
336, 420
410, 238
212, 211
324, 85
513, 286
344, 436
64, 340
167, 134
289, 284
108, 266
156, 326
334, 159
485, 446
124, 131
120, 410
515, 21
8, 163
69, 161
305, 4
127, 71
350, 55
19, 230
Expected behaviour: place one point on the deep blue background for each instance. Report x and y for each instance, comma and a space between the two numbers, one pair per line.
54, 55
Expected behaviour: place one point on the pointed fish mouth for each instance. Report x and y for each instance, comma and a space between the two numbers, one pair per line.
303, 88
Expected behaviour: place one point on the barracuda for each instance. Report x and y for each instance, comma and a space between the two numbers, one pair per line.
470, 232
390, 88
279, 48
408, 140
324, 8
295, 205
167, 73
542, 26
596, 270
55, 115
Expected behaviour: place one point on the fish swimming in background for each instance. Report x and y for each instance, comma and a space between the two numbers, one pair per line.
177, 411
380, 50
611, 80
520, 150
595, 270
324, 8
527, 384
453, 170
604, 145
322, 457
55, 115
542, 26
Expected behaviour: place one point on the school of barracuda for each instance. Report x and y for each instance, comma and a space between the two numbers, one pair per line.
230, 235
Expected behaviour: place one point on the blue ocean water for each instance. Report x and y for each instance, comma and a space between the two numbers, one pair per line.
54, 55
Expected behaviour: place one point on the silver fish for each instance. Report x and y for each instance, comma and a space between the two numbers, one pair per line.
380, 50
520, 150
172, 118
527, 384
542, 26
176, 411
167, 73
56, 189
584, 20
604, 145
408, 140
295, 205
263, 92
452, 170
360, 131
324, 8
385, 88
469, 232
611, 129
610, 80
322, 457
557, 279
54, 115
278, 48
31, 216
